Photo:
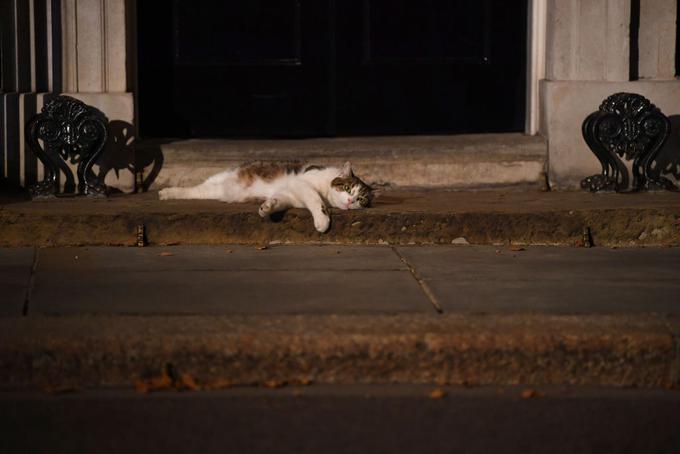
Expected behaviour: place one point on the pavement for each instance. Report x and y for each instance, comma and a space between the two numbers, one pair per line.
206, 317
333, 419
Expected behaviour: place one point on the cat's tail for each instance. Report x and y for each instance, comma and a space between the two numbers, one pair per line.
202, 191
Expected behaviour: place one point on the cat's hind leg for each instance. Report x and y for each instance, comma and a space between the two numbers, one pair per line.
274, 204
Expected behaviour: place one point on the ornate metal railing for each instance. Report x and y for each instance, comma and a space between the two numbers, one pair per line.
70, 131
628, 126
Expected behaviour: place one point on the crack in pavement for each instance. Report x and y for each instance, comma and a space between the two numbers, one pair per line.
31, 280
429, 294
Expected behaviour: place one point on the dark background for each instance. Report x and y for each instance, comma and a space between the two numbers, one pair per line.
298, 68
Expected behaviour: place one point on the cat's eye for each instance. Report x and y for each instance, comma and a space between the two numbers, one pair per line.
346, 188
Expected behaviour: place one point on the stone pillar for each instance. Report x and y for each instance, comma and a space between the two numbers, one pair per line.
94, 46
94, 71
588, 40
657, 39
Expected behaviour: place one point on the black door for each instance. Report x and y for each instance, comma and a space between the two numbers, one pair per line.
330, 67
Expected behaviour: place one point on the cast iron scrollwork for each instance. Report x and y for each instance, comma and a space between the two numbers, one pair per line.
628, 126
70, 131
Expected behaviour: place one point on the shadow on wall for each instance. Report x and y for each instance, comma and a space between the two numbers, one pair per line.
668, 160
122, 154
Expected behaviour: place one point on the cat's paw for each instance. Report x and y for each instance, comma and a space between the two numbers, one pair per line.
267, 207
322, 223
165, 194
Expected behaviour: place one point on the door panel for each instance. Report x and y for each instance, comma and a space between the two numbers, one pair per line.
257, 33
430, 66
242, 68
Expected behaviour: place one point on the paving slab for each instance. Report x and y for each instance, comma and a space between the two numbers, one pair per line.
216, 258
217, 280
551, 280
15, 273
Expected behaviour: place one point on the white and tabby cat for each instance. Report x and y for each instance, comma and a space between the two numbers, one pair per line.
283, 185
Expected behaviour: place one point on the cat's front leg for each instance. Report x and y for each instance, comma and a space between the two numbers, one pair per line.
322, 221
312, 200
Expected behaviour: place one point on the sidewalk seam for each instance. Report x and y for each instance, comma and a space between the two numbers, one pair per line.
675, 365
429, 294
31, 280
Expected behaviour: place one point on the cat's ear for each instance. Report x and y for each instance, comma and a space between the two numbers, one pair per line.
346, 170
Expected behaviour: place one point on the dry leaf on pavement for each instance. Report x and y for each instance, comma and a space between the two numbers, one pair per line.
274, 383
437, 393
530, 393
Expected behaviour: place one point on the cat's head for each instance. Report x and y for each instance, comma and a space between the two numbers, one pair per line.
348, 192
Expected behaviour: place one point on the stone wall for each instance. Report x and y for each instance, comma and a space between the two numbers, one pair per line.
72, 47
588, 58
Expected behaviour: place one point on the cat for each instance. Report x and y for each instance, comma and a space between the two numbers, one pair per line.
283, 185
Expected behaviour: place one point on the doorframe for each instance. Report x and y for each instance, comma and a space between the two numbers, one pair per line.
536, 58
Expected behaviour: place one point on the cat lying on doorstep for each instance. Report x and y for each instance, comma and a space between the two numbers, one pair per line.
283, 185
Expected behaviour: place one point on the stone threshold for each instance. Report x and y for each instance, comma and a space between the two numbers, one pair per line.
456, 161
396, 217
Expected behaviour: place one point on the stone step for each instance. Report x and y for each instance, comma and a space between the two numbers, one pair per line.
397, 217
76, 352
462, 161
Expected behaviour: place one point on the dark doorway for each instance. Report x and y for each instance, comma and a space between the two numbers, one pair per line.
296, 68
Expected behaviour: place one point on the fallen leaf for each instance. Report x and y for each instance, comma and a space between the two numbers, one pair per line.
158, 383
142, 386
262, 248
530, 393
305, 381
60, 389
166, 254
516, 248
188, 382
162, 382
274, 383
442, 382
437, 393
228, 251
220, 383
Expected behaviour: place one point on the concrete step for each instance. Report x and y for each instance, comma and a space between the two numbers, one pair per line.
397, 217
462, 161
272, 350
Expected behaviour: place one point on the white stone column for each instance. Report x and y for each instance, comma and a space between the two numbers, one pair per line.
115, 46
657, 39
94, 45
588, 40
94, 68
